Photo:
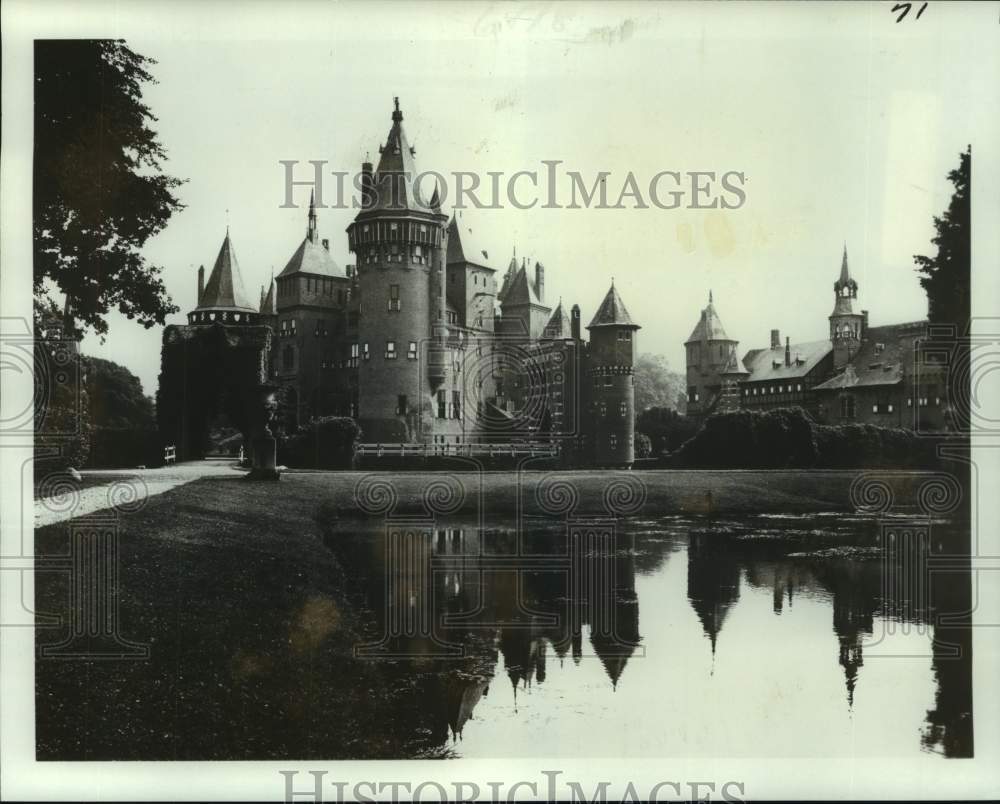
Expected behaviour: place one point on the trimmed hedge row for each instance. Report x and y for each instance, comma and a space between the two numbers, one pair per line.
788, 438
329, 442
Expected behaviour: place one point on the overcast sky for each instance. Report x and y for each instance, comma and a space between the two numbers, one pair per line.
844, 123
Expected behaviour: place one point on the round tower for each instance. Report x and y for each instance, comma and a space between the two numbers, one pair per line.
611, 370
710, 354
846, 326
400, 245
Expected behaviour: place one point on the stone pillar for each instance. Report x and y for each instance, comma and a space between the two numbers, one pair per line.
264, 447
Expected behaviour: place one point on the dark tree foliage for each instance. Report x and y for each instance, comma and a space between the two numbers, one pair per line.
788, 439
656, 385
116, 397
946, 275
99, 193
666, 428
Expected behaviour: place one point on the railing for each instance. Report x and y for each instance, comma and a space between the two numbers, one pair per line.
420, 450
170, 454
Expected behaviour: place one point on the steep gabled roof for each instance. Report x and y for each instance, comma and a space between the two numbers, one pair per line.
224, 289
269, 303
312, 258
612, 312
464, 245
508, 278
769, 364
521, 290
882, 358
559, 327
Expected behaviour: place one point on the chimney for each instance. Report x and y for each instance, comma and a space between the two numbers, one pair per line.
864, 324
540, 281
367, 185
788, 352
775, 339
201, 282
574, 322
326, 243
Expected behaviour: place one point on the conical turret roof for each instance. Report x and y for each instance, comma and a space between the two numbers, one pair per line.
225, 289
612, 312
709, 326
396, 172
269, 305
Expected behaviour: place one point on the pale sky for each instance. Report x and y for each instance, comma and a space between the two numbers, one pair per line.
844, 122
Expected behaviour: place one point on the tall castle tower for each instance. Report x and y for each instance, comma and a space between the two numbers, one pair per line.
611, 364
712, 363
846, 326
400, 241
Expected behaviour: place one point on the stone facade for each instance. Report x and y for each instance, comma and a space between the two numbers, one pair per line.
420, 343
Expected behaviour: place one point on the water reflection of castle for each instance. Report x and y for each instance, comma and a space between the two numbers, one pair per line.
458, 606
860, 592
455, 602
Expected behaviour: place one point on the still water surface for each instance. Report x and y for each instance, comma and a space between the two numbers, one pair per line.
765, 636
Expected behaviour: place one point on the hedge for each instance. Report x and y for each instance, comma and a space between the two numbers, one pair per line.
788, 438
329, 442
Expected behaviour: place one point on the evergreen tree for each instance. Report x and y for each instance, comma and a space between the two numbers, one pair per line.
99, 192
946, 276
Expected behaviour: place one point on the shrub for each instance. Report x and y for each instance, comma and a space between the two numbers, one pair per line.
788, 438
325, 443
643, 446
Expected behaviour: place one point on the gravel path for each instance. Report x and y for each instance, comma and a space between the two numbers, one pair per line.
127, 491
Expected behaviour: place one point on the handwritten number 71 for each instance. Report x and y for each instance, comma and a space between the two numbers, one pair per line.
905, 9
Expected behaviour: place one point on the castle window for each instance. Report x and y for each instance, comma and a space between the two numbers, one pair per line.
937, 400
442, 402
394, 255
390, 350
456, 404
604, 409
889, 407
411, 352
847, 410
798, 386
613, 439
365, 352
418, 255
401, 405
755, 391
607, 382
354, 356
875, 408
393, 298
622, 409
909, 401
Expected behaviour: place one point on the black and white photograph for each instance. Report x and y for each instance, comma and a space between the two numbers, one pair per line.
500, 401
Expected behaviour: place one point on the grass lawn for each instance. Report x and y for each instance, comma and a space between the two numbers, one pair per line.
251, 625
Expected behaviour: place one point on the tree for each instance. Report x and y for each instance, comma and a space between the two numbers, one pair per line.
946, 276
115, 396
655, 384
99, 192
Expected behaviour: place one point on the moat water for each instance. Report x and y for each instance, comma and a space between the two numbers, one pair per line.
788, 636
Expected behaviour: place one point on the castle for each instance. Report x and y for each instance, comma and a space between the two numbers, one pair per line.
857, 374
419, 344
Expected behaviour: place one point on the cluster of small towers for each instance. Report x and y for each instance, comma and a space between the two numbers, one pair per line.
421, 342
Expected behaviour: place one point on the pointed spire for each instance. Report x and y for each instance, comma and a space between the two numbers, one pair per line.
312, 231
710, 296
845, 274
